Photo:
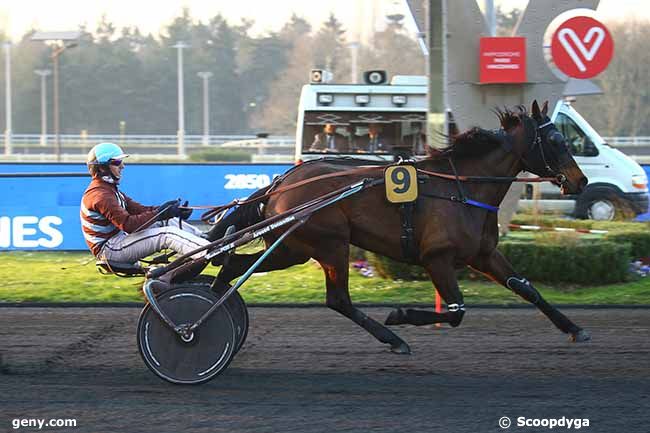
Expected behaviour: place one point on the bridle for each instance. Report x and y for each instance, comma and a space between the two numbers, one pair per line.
537, 143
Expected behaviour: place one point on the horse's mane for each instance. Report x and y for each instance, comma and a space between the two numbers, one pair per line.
477, 141
511, 118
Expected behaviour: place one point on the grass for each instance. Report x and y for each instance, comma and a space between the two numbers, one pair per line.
63, 277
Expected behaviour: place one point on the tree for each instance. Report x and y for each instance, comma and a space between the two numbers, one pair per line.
295, 28
26, 56
119, 74
506, 21
264, 63
100, 82
221, 50
393, 51
624, 108
329, 49
279, 111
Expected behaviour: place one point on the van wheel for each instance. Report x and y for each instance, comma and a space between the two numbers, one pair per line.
601, 210
602, 205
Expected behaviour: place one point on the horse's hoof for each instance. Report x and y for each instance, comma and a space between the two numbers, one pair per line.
401, 349
396, 317
580, 336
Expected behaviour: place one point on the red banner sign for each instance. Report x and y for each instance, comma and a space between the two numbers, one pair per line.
582, 47
503, 60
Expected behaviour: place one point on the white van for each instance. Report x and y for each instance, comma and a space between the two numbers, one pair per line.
617, 185
398, 109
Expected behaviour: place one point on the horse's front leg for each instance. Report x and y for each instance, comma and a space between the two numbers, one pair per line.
443, 275
336, 268
496, 267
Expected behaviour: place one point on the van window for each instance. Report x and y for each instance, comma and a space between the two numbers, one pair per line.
579, 144
350, 132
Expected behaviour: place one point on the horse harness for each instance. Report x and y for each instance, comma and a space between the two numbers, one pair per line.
407, 238
406, 207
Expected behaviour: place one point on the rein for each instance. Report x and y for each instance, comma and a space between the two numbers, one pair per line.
214, 211
486, 179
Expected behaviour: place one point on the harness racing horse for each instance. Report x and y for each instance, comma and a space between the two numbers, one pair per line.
449, 233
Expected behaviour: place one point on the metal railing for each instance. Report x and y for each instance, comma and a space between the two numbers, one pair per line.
29, 147
197, 140
71, 140
631, 141
74, 147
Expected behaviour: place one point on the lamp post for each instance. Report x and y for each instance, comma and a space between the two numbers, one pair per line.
61, 42
57, 122
43, 73
7, 47
181, 102
206, 106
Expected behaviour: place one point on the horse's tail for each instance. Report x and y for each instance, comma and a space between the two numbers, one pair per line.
241, 217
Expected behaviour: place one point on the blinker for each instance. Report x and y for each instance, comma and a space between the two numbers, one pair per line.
556, 138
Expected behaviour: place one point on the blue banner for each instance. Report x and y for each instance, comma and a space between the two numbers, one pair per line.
42, 213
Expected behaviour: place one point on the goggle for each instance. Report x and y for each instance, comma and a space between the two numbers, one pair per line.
115, 162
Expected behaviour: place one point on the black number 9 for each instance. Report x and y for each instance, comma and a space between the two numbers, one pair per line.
402, 178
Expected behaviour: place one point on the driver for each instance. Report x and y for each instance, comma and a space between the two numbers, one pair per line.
120, 230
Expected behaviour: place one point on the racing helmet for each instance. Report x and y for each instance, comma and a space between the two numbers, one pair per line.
103, 153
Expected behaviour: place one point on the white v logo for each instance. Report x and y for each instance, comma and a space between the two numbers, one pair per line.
588, 55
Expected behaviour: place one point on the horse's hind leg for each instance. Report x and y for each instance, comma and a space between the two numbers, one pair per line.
500, 270
336, 267
443, 275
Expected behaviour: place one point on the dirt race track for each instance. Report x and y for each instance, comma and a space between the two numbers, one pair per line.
310, 370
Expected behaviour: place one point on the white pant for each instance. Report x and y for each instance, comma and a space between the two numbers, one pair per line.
129, 248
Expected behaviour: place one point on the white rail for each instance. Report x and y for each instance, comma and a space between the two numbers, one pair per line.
29, 147
71, 140
632, 141
197, 140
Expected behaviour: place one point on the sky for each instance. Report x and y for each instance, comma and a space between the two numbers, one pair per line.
151, 15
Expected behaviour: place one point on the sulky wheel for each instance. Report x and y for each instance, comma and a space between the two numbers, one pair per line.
196, 358
236, 306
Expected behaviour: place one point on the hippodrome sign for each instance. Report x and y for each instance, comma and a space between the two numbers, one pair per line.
502, 60
582, 47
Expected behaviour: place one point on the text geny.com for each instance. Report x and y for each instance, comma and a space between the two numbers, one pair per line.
40, 423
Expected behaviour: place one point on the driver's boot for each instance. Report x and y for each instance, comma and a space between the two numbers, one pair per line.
223, 259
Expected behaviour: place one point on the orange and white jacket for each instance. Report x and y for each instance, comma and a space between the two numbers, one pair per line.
105, 211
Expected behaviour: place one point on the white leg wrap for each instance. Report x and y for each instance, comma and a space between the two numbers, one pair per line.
518, 280
523, 288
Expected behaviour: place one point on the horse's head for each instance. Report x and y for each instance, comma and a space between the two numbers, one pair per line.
543, 149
